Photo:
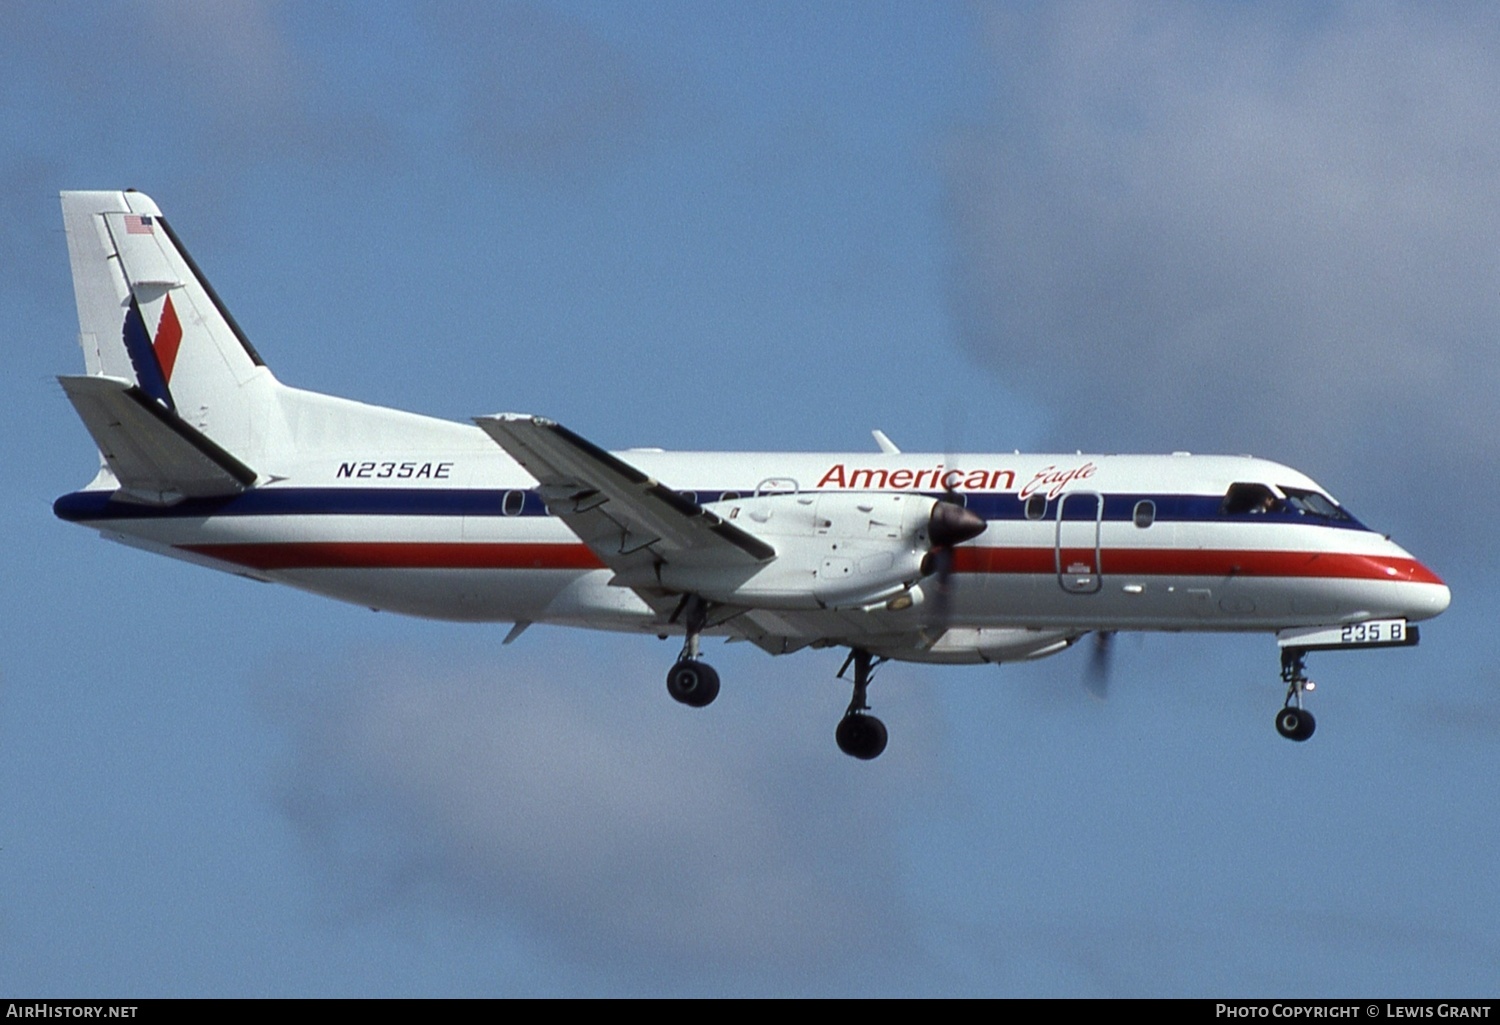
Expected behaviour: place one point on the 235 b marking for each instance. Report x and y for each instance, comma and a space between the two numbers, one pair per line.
1374, 633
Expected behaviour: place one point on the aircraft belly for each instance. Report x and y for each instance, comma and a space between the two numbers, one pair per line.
469, 595
415, 565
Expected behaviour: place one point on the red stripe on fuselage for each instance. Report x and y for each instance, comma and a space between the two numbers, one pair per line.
574, 556
1199, 562
401, 555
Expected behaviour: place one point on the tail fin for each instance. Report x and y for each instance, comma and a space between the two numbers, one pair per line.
147, 316
177, 399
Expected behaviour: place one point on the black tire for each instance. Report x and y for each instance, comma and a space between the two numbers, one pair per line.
693, 683
861, 736
1308, 725
1295, 723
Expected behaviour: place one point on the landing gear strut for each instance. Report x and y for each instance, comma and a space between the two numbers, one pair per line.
692, 682
1293, 721
860, 734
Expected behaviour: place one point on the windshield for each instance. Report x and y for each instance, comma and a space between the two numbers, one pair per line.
1313, 503
1250, 499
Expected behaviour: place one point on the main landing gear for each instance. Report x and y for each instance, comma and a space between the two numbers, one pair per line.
1293, 721
859, 734
696, 684
690, 681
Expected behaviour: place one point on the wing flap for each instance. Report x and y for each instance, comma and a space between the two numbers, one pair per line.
628, 519
157, 457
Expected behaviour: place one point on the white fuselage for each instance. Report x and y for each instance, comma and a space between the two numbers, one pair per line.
431, 518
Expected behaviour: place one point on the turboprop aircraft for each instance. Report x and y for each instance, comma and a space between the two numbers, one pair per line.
206, 456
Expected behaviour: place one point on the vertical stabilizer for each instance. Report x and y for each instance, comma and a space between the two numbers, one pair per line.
147, 316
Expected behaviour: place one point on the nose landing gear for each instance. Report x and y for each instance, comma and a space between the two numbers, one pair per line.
1293, 721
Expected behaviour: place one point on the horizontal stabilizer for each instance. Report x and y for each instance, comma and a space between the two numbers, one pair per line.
157, 457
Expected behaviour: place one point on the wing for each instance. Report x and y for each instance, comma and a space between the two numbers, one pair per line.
636, 524
631, 521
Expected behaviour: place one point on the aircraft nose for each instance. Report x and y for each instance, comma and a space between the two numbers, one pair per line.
1424, 594
1428, 601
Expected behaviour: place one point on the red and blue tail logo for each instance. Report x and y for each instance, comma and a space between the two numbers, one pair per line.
153, 360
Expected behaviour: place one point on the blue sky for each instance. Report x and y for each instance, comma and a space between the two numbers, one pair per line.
1254, 228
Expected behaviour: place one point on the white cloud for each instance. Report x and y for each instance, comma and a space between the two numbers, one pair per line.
1242, 228
604, 821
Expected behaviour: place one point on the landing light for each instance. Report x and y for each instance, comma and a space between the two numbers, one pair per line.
900, 602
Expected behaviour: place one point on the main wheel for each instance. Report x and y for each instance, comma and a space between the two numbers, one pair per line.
862, 736
1295, 723
693, 683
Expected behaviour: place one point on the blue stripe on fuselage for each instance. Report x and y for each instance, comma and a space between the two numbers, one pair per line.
88, 506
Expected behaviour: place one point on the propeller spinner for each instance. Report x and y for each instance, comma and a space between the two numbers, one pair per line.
949, 524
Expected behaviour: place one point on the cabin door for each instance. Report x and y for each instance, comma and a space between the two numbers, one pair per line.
1079, 516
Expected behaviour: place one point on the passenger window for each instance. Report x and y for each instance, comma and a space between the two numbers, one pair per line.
1245, 499
1036, 507
514, 502
1145, 513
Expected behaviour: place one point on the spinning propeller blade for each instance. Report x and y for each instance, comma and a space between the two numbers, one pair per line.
1100, 662
949, 525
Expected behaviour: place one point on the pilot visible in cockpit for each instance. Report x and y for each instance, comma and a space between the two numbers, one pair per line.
1267, 503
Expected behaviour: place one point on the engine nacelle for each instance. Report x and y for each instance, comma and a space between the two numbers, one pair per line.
833, 551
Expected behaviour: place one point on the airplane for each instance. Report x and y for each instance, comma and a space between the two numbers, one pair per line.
975, 558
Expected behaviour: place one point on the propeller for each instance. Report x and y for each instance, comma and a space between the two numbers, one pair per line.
950, 524
944, 523
1096, 679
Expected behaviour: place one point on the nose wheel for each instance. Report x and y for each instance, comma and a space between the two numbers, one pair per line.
860, 735
1293, 721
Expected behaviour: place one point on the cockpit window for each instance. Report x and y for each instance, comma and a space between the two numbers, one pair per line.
1245, 499
1248, 499
1312, 503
